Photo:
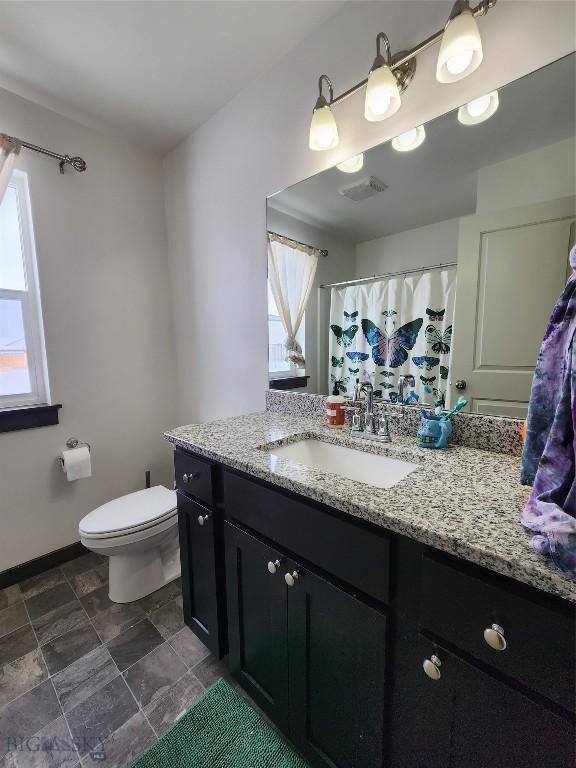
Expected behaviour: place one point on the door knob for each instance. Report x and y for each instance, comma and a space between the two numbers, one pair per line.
291, 578
494, 637
460, 384
273, 566
202, 519
432, 667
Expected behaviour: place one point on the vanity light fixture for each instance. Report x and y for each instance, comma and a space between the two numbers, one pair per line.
323, 128
390, 74
461, 47
409, 140
382, 93
478, 110
352, 165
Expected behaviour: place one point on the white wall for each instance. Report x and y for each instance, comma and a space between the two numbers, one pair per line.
422, 247
102, 258
338, 265
217, 180
547, 173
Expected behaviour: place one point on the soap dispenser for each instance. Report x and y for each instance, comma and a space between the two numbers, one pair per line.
335, 409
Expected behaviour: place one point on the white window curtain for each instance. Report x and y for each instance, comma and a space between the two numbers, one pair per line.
9, 150
396, 326
291, 271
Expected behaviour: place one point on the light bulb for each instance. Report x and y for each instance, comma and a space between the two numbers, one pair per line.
352, 165
477, 107
478, 110
461, 48
460, 62
382, 95
409, 140
378, 101
323, 130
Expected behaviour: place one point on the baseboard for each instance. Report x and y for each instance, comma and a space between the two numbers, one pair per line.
40, 564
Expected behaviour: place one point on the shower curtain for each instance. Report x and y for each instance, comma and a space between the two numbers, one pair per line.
392, 327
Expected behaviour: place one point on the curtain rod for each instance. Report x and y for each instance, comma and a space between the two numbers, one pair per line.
388, 274
76, 162
321, 251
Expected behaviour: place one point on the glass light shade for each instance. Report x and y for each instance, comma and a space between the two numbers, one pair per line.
478, 110
323, 130
352, 165
408, 141
382, 95
461, 49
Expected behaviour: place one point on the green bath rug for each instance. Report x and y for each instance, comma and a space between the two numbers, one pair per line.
220, 731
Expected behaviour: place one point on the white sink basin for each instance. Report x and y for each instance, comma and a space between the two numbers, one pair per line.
370, 468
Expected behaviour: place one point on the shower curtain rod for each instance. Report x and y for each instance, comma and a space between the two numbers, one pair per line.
76, 162
388, 274
321, 251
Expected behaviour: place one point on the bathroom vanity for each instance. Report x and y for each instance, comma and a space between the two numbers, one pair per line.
381, 602
409, 626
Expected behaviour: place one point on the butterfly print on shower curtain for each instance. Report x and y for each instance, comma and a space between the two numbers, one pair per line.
391, 349
344, 337
440, 342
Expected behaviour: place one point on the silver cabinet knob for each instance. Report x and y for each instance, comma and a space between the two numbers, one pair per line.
460, 384
188, 478
291, 578
202, 519
432, 667
273, 566
494, 637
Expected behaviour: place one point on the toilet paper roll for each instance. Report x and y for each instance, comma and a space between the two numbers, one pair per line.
76, 463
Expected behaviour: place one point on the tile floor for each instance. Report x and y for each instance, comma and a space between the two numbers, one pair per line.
84, 681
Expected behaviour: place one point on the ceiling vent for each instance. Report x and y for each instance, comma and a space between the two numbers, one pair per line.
363, 189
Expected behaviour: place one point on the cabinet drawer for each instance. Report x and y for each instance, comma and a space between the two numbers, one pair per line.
194, 476
347, 550
459, 604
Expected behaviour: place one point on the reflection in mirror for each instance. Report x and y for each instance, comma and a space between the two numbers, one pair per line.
430, 267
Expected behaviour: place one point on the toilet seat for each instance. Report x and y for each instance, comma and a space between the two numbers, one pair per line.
129, 514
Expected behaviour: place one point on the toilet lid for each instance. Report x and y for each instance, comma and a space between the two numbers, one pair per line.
135, 511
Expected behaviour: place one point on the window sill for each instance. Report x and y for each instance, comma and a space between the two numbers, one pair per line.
29, 417
289, 382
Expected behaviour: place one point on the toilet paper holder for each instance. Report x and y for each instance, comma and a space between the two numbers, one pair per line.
72, 443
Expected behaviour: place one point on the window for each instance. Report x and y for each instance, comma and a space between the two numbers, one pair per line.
23, 376
277, 365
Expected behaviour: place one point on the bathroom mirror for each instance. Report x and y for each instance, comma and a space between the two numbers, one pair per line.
436, 257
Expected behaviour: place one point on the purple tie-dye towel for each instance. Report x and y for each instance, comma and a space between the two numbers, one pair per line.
549, 455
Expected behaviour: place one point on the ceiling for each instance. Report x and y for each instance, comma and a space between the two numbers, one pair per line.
438, 180
151, 71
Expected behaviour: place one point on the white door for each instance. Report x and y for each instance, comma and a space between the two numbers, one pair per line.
512, 267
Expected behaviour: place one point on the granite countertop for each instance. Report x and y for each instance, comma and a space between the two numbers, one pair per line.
461, 500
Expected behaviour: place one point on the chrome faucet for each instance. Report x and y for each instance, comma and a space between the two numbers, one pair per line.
368, 425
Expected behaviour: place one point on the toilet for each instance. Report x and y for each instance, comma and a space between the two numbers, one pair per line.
139, 534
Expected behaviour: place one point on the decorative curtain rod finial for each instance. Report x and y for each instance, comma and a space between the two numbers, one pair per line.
76, 162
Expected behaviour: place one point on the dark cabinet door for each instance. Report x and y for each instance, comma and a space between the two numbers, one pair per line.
337, 650
200, 572
257, 632
419, 735
492, 724
496, 726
